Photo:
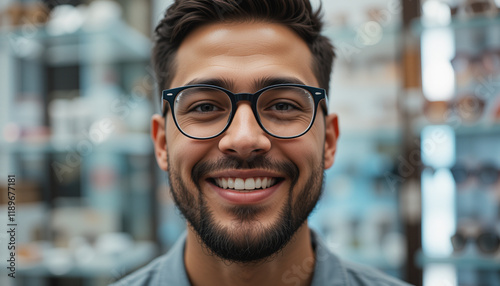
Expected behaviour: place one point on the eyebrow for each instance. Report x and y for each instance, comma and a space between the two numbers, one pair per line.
257, 83
220, 82
267, 81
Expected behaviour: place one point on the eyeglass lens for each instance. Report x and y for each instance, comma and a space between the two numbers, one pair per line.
487, 174
487, 242
203, 112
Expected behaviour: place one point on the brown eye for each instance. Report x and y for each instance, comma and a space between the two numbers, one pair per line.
282, 107
206, 108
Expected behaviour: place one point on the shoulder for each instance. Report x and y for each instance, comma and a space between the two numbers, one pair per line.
361, 275
331, 270
167, 269
143, 276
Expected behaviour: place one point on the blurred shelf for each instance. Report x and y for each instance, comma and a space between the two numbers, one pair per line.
351, 88
380, 261
463, 130
478, 130
131, 143
369, 40
470, 261
118, 265
348, 33
372, 134
418, 26
113, 43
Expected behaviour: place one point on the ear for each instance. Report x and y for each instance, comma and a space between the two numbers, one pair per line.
331, 136
159, 140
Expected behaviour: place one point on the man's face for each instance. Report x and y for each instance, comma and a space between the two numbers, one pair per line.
245, 225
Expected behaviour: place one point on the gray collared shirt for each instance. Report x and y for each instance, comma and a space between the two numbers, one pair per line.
329, 270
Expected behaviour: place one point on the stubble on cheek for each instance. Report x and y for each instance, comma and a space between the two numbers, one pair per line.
184, 199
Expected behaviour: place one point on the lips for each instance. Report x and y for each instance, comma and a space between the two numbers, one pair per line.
245, 184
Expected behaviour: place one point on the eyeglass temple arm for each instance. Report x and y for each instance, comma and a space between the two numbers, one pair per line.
325, 107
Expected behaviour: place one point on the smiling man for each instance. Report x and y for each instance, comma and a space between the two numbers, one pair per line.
245, 137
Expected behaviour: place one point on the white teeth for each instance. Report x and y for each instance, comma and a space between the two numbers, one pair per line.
249, 184
245, 184
239, 184
258, 183
271, 182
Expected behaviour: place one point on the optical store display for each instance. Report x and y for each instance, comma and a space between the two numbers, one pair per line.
18, 14
358, 213
487, 173
486, 241
487, 62
464, 176
468, 108
77, 103
474, 8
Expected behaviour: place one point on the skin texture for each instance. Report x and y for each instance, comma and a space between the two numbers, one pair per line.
243, 56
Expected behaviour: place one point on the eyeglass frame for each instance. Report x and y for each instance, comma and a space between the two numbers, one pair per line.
319, 94
477, 172
475, 239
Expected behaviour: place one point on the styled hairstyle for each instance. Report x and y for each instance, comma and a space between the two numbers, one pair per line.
184, 16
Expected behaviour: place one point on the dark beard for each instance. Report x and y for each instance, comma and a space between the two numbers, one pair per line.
257, 243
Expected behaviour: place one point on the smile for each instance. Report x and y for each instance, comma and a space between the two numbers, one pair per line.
246, 184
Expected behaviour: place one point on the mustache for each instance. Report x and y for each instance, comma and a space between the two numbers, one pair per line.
255, 162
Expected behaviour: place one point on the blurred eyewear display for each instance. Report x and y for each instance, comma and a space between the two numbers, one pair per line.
470, 8
487, 173
483, 63
486, 241
469, 108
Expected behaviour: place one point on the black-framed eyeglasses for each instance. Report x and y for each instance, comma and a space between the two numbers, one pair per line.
487, 173
487, 241
203, 111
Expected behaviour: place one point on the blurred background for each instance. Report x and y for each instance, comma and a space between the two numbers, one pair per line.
414, 191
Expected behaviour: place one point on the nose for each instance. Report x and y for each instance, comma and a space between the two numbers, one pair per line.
244, 137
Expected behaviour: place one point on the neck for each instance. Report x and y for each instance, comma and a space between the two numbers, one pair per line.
294, 264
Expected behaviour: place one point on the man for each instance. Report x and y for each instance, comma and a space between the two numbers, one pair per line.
245, 137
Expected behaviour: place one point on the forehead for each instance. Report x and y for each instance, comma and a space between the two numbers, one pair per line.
242, 53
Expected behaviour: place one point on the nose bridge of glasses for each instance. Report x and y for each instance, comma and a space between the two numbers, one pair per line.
249, 98
243, 96
238, 97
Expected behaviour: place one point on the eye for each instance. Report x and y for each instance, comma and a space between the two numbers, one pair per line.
206, 107
283, 106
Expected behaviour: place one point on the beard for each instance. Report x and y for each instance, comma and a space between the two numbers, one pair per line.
247, 240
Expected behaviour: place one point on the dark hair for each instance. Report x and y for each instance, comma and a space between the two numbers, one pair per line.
185, 15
